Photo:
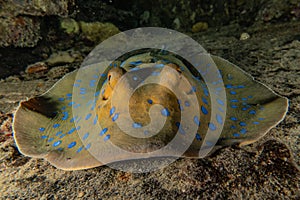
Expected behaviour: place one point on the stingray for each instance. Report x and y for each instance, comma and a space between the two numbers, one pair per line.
71, 132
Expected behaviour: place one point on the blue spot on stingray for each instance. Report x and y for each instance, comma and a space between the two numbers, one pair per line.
233, 118
228, 86
159, 65
236, 135
69, 95
122, 64
180, 128
138, 62
103, 131
55, 144
79, 81
208, 143
234, 100
92, 83
250, 97
93, 106
137, 125
66, 115
107, 137
63, 108
180, 106
194, 89
71, 131
82, 90
187, 104
88, 116
77, 105
155, 73
212, 126
198, 136
240, 86
63, 135
73, 119
219, 119
204, 110
97, 93
205, 91
149, 101
165, 112
233, 106
220, 102
79, 149
50, 139
204, 100
233, 127
261, 118
72, 144
44, 136
88, 146
86, 136
78, 127
95, 119
196, 120
232, 92
244, 108
56, 125
58, 133
71, 103
135, 78
134, 69
255, 123
76, 85
112, 111
243, 131
244, 99
221, 109
243, 124
115, 117
61, 99
42, 129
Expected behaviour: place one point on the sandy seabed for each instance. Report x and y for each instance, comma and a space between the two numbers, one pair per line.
267, 169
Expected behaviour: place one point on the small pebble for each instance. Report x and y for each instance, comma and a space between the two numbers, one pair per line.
80, 194
244, 36
36, 67
200, 26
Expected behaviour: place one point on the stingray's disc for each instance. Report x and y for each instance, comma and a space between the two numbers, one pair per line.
146, 104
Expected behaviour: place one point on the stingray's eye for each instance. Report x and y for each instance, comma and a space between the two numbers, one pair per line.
109, 77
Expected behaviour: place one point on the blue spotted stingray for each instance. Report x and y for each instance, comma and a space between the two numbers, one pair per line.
71, 132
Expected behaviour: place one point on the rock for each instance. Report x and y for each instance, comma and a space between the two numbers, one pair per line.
35, 8
97, 31
19, 32
199, 26
36, 67
63, 57
70, 26
244, 36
